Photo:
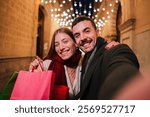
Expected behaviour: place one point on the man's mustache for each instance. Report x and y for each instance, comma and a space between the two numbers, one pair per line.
85, 41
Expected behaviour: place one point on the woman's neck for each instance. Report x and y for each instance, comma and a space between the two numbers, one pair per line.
72, 74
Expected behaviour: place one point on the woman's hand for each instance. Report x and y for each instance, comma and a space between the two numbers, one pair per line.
111, 44
36, 65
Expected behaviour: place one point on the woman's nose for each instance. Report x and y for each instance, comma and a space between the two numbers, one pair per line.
61, 47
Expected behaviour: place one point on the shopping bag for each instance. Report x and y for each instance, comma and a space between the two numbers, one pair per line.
33, 86
7, 90
60, 92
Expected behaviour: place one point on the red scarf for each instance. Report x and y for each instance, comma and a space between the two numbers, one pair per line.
57, 65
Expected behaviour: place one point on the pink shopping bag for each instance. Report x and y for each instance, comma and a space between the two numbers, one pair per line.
33, 86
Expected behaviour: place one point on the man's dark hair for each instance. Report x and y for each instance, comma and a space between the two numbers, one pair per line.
82, 18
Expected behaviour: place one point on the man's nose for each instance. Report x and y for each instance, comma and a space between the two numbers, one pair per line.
83, 37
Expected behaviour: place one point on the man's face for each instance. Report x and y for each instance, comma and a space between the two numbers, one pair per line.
85, 35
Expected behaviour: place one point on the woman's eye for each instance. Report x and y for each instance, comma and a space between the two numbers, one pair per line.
65, 41
56, 44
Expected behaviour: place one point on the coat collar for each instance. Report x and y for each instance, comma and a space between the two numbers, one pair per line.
100, 44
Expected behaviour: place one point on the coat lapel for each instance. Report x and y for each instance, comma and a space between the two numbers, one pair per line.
91, 68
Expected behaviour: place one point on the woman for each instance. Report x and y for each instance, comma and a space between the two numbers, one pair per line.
64, 59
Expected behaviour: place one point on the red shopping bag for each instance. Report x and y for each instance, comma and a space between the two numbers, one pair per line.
33, 86
60, 92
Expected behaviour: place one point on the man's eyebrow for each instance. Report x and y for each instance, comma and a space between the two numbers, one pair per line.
76, 33
86, 28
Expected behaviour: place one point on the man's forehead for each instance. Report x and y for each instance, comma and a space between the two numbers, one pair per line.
84, 22
81, 25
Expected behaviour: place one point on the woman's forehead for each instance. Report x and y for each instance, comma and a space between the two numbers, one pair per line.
62, 36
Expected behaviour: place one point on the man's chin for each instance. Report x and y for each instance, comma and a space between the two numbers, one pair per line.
87, 50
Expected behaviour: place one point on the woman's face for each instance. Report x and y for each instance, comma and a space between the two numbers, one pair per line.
64, 46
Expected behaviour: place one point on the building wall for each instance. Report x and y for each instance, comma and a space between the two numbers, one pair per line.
18, 28
134, 29
142, 32
128, 22
50, 25
46, 32
109, 29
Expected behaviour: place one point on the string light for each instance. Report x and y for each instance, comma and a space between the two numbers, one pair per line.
61, 5
90, 6
64, 2
107, 12
52, 15
75, 4
55, 9
112, 10
46, 2
80, 5
58, 9
103, 9
42, 1
54, 1
65, 18
85, 11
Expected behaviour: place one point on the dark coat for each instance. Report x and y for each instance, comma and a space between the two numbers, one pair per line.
108, 71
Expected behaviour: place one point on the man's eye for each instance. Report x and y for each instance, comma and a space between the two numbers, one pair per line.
76, 36
87, 30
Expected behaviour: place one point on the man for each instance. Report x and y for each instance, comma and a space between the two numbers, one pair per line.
104, 72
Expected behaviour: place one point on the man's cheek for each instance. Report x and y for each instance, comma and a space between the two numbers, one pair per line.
78, 43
